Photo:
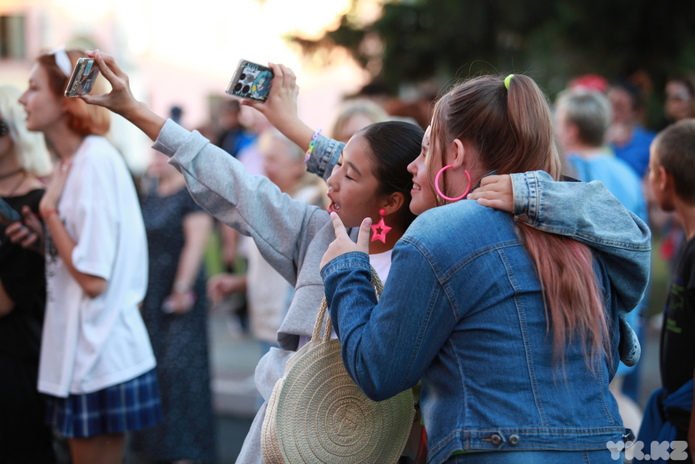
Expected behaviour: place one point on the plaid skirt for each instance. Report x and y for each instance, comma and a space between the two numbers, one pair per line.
132, 405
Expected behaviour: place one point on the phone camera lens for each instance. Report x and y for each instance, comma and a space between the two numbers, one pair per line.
242, 77
237, 87
246, 89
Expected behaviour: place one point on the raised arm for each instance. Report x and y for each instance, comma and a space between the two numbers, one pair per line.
281, 111
121, 100
281, 106
281, 227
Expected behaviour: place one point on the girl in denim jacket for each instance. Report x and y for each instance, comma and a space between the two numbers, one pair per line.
514, 332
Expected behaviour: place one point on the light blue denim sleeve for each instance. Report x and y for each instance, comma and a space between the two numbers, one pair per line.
324, 156
589, 213
370, 332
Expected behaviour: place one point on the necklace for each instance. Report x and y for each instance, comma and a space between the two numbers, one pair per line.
10, 174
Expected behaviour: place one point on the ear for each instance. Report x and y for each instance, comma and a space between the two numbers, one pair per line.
657, 177
394, 202
457, 153
665, 182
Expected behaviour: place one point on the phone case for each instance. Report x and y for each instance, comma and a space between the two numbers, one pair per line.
83, 78
7, 213
251, 80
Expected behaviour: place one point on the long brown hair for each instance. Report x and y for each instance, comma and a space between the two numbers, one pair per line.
512, 131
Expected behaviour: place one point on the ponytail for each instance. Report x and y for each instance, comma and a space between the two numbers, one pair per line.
509, 123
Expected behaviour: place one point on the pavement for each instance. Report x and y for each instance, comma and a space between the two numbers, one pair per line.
233, 358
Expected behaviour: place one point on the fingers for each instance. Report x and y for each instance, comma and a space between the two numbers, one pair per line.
364, 234
278, 76
120, 93
492, 203
30, 219
495, 192
487, 180
338, 227
16, 232
108, 66
255, 104
284, 77
289, 77
21, 234
31, 240
105, 69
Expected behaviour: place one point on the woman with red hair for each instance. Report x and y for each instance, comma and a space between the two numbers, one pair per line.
96, 364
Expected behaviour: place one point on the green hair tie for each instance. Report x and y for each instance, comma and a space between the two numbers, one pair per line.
507, 80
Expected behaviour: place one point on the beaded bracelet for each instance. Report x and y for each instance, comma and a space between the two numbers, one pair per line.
311, 145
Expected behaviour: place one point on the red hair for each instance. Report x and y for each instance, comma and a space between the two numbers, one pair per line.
82, 118
512, 131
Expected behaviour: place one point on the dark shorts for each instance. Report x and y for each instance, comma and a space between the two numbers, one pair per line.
131, 405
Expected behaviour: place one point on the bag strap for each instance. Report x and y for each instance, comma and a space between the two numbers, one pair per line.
323, 312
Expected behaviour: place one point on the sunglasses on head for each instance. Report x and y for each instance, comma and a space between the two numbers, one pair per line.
4, 128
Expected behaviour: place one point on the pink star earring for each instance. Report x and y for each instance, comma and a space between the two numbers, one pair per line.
380, 226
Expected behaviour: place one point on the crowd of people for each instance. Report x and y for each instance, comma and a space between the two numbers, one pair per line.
512, 234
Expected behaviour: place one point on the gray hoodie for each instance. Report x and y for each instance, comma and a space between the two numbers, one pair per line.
290, 234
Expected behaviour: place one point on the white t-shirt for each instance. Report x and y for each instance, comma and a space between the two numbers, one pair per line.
92, 343
381, 262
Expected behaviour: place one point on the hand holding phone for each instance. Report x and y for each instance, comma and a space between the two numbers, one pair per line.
26, 231
251, 80
83, 78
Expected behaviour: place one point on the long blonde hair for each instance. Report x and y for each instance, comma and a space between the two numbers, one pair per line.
513, 132
30, 147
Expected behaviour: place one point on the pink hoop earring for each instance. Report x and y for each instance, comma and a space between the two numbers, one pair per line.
439, 192
381, 225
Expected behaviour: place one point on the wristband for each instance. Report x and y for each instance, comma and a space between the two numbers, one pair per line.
311, 145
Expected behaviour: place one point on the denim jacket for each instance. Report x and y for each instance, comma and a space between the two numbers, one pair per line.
463, 312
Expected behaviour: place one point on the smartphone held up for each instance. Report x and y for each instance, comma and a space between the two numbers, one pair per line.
83, 78
251, 80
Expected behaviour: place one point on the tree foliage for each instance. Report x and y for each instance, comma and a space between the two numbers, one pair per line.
551, 40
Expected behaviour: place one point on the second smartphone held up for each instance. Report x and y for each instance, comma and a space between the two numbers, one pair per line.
251, 80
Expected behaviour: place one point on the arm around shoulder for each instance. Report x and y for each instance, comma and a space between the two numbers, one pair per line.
589, 213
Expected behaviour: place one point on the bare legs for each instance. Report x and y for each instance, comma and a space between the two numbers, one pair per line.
101, 449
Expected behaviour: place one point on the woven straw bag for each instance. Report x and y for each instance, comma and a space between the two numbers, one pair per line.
317, 413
